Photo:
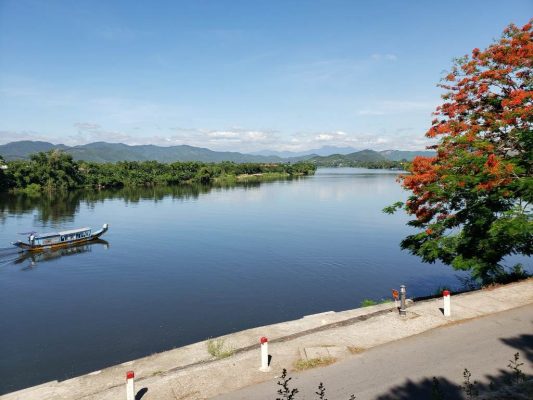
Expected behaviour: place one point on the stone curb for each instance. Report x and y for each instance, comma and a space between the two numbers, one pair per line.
282, 339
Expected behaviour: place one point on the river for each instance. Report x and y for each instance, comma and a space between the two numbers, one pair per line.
182, 264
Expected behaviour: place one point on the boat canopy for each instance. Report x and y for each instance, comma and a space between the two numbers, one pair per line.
62, 233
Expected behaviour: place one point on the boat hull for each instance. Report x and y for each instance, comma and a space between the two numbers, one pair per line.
52, 254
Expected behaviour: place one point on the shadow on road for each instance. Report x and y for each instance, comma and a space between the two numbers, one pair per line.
443, 389
523, 343
141, 393
509, 383
424, 389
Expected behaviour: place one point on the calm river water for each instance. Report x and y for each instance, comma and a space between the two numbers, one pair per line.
183, 264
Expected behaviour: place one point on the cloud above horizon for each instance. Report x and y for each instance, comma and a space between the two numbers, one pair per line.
242, 78
142, 120
231, 139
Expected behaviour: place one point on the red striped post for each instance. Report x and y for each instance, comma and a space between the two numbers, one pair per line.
264, 355
447, 303
130, 385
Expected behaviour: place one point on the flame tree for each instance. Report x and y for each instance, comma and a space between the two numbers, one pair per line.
472, 201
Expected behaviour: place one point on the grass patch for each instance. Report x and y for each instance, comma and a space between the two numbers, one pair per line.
301, 365
355, 350
263, 177
230, 179
370, 302
226, 180
217, 348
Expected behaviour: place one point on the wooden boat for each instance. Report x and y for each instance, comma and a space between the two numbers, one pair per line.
52, 240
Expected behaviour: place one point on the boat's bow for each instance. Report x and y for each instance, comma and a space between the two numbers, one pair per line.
21, 245
100, 232
25, 245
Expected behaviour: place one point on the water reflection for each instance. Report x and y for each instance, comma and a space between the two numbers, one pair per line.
61, 207
34, 258
190, 269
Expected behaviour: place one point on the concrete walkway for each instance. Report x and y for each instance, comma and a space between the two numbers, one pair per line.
191, 373
403, 369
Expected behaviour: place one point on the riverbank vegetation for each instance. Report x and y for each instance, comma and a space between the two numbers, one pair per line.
371, 302
379, 164
56, 170
472, 201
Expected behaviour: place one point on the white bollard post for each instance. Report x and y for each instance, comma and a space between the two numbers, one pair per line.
447, 303
130, 386
264, 355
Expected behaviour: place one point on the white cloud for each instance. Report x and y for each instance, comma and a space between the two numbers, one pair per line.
139, 121
258, 136
222, 134
401, 139
324, 137
246, 140
235, 139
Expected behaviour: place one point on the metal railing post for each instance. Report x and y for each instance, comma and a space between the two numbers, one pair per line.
403, 307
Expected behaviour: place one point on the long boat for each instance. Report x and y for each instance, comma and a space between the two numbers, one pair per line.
52, 240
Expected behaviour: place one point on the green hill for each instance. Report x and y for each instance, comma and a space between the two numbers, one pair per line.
359, 158
20, 150
370, 159
113, 152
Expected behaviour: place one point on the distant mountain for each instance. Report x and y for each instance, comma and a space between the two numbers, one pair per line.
113, 152
381, 159
338, 160
20, 150
323, 151
399, 155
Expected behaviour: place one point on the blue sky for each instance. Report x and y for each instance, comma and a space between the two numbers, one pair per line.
235, 75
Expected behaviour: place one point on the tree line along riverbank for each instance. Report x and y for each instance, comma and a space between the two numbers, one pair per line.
56, 170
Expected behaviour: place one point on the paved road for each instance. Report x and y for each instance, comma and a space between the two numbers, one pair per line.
404, 369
